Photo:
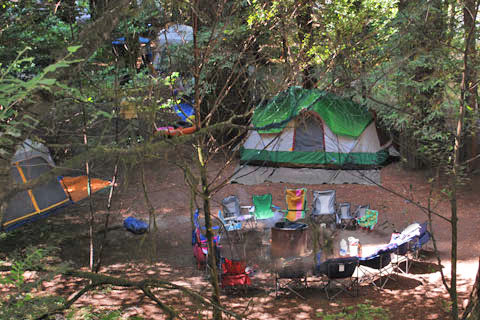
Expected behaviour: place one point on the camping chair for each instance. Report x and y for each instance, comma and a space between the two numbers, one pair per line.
418, 243
296, 203
234, 275
420, 240
361, 211
339, 272
200, 249
196, 224
199, 242
377, 267
231, 207
410, 241
262, 207
369, 220
230, 224
290, 274
400, 254
232, 210
324, 203
344, 218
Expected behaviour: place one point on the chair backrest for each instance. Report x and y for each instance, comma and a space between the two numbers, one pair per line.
344, 211
377, 261
296, 200
339, 268
231, 206
196, 216
324, 202
418, 242
263, 206
233, 266
412, 230
423, 228
361, 211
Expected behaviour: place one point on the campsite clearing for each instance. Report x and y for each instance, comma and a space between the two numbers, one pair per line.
167, 253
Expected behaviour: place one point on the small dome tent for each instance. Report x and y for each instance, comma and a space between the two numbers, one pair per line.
313, 128
30, 161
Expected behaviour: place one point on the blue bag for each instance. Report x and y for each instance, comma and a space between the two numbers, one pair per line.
135, 225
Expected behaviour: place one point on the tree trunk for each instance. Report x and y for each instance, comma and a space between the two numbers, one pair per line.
202, 163
97, 8
91, 219
212, 254
472, 312
305, 26
469, 17
457, 174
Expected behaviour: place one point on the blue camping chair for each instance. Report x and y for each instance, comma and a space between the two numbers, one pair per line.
377, 268
233, 211
420, 241
344, 217
324, 203
197, 227
229, 224
410, 241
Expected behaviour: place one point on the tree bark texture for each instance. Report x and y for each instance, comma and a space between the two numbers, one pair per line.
305, 26
470, 10
472, 312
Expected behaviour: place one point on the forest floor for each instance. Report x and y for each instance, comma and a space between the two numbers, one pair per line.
167, 252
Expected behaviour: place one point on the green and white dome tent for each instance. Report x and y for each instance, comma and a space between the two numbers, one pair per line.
313, 128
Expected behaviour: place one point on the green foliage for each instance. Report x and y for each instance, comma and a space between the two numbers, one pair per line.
21, 303
88, 313
32, 24
361, 311
15, 276
419, 79
14, 93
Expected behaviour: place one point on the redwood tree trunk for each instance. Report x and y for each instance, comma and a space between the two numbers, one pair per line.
472, 312
471, 93
305, 26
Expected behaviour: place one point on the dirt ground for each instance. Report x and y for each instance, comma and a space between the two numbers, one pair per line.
167, 253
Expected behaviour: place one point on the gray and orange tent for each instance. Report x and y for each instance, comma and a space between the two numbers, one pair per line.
29, 162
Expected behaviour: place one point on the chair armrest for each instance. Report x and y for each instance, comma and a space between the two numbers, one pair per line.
251, 209
244, 217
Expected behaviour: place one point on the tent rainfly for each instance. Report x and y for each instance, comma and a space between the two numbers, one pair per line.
30, 161
313, 128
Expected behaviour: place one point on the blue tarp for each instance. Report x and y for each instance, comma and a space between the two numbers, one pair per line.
121, 40
135, 225
184, 110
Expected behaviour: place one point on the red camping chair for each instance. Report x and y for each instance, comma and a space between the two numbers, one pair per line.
199, 242
200, 248
234, 274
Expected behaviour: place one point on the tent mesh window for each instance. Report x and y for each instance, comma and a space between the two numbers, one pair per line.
309, 133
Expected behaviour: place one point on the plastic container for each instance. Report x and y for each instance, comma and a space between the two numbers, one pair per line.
353, 246
343, 247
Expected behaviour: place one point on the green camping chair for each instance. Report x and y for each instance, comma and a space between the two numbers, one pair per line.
369, 220
263, 206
